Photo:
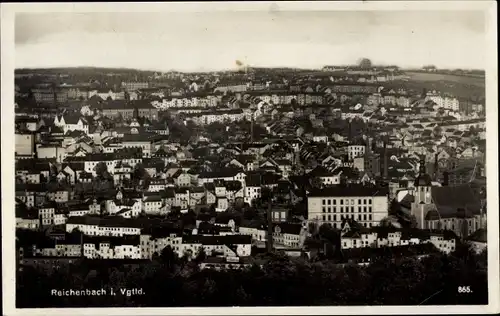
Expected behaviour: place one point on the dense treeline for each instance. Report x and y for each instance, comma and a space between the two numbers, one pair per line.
169, 281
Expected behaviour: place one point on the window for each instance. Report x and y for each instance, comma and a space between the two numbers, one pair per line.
324, 202
369, 209
341, 202
329, 217
334, 201
352, 209
324, 217
359, 201
370, 201
341, 209
364, 217
329, 202
370, 217
324, 209
364, 209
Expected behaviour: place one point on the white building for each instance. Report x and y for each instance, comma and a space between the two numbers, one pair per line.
332, 205
355, 150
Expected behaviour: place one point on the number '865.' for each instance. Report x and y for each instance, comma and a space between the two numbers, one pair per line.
464, 289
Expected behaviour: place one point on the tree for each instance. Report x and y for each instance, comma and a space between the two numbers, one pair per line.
365, 63
101, 170
413, 221
168, 257
316, 183
201, 255
386, 222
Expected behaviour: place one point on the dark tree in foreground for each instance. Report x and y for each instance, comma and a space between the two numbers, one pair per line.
432, 280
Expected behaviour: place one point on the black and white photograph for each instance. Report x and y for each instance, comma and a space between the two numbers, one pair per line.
277, 155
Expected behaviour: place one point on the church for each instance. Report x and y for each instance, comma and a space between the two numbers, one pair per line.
457, 207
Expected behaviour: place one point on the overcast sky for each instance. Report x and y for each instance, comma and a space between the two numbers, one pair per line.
215, 40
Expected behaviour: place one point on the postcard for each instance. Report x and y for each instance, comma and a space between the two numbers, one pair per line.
250, 158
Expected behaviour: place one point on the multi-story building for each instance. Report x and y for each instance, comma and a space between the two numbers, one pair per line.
367, 205
24, 144
44, 95
133, 86
355, 150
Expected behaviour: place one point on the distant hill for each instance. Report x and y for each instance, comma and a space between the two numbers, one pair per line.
80, 70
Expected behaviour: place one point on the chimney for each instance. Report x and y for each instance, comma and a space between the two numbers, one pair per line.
435, 166
251, 129
386, 168
269, 228
445, 178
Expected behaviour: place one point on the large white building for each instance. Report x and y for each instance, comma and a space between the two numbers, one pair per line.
186, 102
443, 102
366, 205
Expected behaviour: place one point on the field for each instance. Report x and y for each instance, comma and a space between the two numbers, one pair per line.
462, 87
468, 80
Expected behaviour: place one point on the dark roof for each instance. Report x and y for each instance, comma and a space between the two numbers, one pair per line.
480, 235
150, 137
289, 228
113, 241
349, 191
223, 173
218, 240
320, 171
448, 199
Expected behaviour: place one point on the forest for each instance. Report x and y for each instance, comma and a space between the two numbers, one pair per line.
169, 281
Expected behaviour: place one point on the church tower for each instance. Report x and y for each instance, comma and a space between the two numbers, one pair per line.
423, 185
422, 194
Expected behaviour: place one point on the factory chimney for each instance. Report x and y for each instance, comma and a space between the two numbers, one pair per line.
269, 228
369, 147
435, 166
251, 130
386, 168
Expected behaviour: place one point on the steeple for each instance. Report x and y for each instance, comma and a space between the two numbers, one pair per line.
422, 167
423, 179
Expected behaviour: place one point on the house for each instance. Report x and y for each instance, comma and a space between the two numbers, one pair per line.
326, 177
227, 174
152, 204
104, 226
72, 123
353, 236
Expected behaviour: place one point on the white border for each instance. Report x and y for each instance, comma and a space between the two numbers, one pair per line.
7, 80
